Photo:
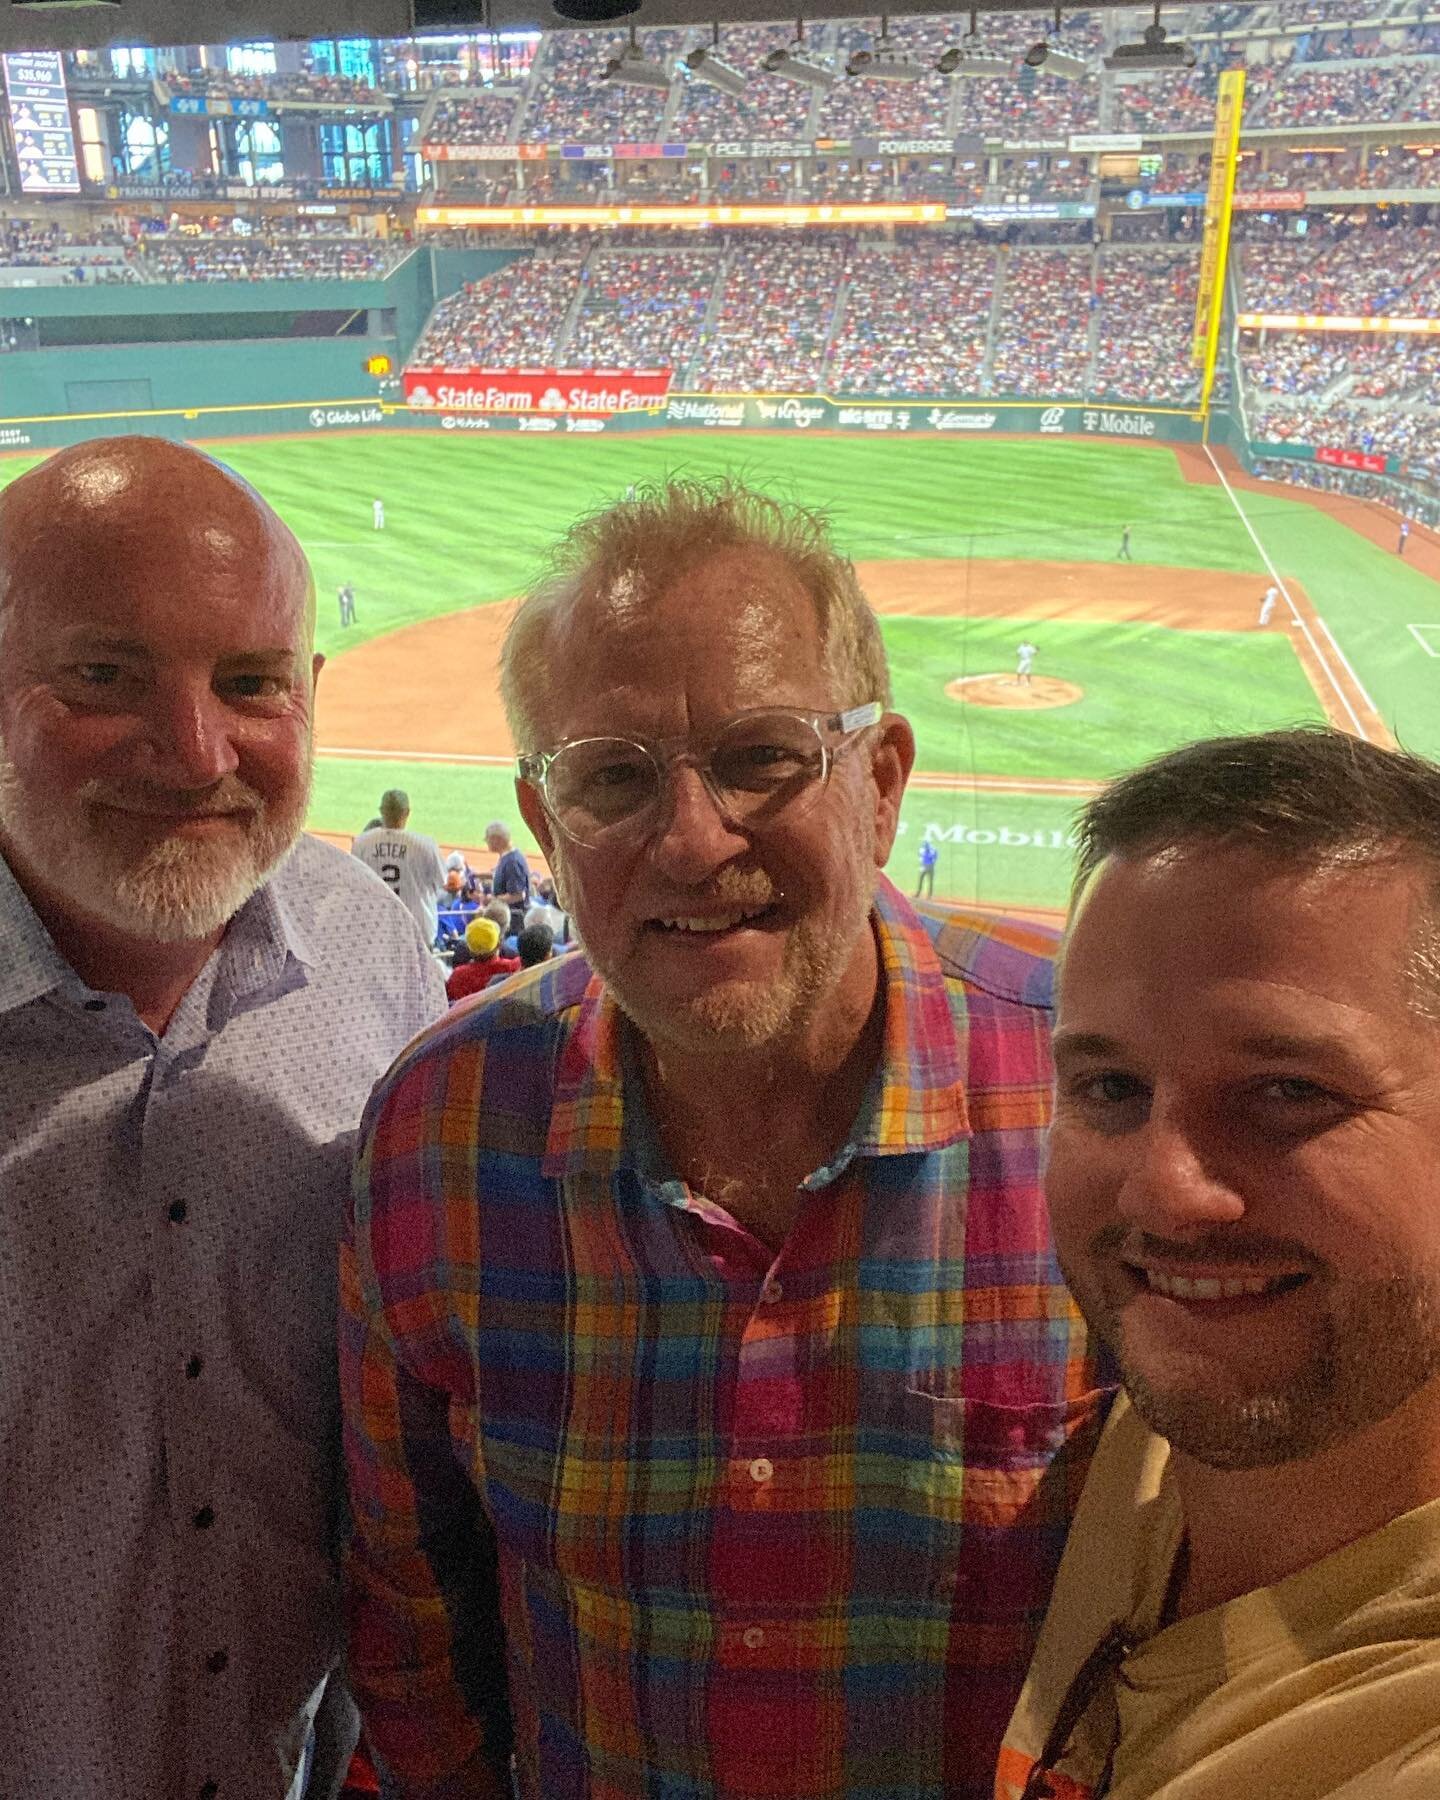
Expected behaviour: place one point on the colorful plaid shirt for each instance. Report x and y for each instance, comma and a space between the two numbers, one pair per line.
753, 1523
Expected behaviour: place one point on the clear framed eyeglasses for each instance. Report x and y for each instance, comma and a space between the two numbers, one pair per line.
760, 766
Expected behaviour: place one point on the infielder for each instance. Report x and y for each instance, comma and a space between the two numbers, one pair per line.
377, 507
1268, 604
1025, 654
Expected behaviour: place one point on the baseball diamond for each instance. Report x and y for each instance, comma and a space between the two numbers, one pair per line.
959, 544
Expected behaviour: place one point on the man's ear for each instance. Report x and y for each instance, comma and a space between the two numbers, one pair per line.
317, 663
892, 757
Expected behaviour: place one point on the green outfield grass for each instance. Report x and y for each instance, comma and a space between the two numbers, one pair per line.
469, 520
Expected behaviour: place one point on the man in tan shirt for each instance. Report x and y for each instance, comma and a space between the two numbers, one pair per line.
1244, 1184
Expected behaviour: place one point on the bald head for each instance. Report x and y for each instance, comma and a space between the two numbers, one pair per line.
116, 504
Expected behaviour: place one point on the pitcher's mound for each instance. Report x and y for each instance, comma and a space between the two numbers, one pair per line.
1005, 690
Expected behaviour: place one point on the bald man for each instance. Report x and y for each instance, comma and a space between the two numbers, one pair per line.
194, 1002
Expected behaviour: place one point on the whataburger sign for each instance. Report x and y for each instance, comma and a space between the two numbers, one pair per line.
597, 392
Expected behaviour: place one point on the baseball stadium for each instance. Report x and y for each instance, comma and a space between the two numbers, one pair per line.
1109, 341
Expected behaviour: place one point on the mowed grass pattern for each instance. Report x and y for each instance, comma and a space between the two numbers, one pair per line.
469, 520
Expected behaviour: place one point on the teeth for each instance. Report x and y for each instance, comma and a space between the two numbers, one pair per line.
721, 922
1180, 1287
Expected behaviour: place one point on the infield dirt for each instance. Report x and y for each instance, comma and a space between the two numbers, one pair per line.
432, 689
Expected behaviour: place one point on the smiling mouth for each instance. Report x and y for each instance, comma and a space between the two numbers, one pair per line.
1211, 1288
710, 924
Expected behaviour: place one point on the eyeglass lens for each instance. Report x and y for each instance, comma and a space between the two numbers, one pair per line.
758, 765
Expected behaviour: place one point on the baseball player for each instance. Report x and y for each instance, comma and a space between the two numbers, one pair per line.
1123, 553
1268, 605
377, 507
1404, 537
1025, 654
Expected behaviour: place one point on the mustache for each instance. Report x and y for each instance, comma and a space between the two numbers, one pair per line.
731, 888
228, 795
1236, 1246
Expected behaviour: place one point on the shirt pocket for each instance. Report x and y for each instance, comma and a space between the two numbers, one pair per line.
968, 1485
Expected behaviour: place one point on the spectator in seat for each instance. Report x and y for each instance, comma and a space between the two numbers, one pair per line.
482, 940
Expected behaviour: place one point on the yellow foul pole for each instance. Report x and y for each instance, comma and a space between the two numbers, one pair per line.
1215, 243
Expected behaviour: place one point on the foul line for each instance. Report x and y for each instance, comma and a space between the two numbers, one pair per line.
1295, 612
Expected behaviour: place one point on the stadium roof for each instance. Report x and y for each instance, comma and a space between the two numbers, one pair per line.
75, 24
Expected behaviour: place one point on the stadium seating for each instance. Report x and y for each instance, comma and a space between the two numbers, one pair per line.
914, 320
775, 318
642, 309
511, 319
1042, 331
1145, 310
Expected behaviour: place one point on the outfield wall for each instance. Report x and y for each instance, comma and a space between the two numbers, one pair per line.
126, 365
241, 409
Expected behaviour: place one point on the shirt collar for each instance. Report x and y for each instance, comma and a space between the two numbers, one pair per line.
914, 1101
31, 965
262, 939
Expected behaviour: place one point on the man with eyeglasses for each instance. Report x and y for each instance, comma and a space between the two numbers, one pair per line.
1244, 1176
714, 1403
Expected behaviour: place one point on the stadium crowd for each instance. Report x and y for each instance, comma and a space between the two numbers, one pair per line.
1345, 268
642, 309
1041, 331
914, 320
1145, 310
471, 119
774, 322
509, 320
268, 256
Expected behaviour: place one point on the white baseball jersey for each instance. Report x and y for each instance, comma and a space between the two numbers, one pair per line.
378, 508
411, 866
1024, 658
1267, 605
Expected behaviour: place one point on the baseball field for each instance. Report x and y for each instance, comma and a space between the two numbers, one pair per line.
967, 547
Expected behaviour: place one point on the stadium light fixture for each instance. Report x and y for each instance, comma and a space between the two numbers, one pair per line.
705, 65
967, 58
632, 68
1056, 62
883, 62
1153, 52
798, 68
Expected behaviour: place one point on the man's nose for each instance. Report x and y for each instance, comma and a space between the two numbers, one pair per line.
1176, 1183
692, 836
190, 735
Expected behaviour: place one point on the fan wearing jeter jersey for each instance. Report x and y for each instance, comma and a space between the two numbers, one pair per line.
409, 864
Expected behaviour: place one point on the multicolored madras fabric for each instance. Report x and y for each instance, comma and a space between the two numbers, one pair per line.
691, 1519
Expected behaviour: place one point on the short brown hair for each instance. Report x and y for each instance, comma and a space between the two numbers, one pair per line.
645, 540
1308, 796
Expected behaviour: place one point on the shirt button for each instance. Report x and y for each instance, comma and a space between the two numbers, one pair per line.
217, 1661
204, 1519
193, 1367
177, 1212
761, 1469
753, 1638
772, 1291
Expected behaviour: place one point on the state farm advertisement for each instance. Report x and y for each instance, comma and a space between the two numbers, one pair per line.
596, 392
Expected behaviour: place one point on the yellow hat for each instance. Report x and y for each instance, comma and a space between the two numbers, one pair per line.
483, 937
